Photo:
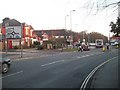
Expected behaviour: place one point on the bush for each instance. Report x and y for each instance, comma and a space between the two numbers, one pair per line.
33, 46
15, 47
36, 43
39, 47
23, 46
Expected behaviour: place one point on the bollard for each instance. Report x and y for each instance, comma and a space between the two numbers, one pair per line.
117, 46
103, 49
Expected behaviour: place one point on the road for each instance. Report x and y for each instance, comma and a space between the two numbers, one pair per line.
61, 70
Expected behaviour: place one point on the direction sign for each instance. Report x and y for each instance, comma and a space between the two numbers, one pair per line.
13, 32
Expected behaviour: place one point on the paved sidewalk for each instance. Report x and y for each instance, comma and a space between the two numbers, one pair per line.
27, 53
33, 52
106, 76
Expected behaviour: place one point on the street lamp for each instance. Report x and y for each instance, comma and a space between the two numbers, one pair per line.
71, 19
71, 25
119, 9
65, 30
76, 27
109, 37
65, 20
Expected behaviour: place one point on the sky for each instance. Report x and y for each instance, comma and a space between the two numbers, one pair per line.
89, 15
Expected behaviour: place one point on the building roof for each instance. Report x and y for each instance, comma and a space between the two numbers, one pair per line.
11, 22
31, 27
54, 32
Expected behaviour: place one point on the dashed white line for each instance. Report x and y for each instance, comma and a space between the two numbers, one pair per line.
52, 63
12, 74
78, 57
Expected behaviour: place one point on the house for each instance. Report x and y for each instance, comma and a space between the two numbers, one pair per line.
14, 31
27, 34
57, 37
11, 40
1, 39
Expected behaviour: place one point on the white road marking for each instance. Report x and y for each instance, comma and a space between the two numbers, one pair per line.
52, 63
12, 74
85, 82
78, 57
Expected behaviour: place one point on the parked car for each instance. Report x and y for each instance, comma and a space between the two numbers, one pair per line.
5, 64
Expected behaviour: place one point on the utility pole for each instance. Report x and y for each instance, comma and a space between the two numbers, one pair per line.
66, 21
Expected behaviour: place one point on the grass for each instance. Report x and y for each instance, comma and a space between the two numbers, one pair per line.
70, 49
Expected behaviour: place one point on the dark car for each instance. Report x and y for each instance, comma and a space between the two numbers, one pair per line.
5, 64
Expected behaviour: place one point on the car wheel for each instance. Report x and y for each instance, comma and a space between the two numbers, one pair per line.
5, 68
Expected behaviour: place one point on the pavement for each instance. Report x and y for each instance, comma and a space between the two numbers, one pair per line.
107, 76
14, 54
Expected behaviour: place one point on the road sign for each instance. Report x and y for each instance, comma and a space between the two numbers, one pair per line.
13, 32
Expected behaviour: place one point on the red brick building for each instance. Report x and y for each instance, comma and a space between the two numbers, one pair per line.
57, 36
27, 33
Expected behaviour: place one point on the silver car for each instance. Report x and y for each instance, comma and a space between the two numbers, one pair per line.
5, 64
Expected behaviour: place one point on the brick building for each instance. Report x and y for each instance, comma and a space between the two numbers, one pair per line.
26, 33
57, 37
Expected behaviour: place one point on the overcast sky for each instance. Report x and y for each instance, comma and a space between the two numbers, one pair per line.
50, 14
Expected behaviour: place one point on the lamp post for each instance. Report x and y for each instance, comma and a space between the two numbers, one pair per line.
65, 20
71, 19
76, 27
71, 25
119, 9
65, 30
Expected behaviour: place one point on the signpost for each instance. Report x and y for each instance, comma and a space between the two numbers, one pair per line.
14, 32
21, 43
6, 44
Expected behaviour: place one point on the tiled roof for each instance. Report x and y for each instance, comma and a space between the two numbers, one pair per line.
11, 22
57, 32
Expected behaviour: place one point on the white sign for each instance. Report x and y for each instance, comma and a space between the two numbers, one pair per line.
13, 32
15, 42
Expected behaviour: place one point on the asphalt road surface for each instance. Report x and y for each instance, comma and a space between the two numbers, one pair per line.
63, 70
